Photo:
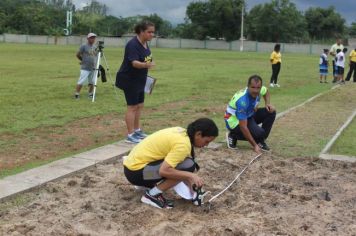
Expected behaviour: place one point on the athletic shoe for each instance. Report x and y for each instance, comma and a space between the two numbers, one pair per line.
271, 85
90, 96
132, 139
140, 134
321, 81
264, 146
334, 81
76, 96
277, 85
230, 141
156, 201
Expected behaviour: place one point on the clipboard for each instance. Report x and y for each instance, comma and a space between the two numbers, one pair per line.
150, 83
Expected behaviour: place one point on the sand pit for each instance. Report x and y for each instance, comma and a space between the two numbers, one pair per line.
275, 196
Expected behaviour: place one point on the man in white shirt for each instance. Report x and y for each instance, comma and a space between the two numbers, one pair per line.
332, 52
340, 63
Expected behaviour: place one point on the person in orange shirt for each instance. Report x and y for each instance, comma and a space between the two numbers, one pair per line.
352, 66
276, 65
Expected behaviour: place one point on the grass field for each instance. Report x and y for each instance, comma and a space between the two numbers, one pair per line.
346, 143
37, 85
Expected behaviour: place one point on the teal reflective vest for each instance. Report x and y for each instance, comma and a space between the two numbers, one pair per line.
230, 114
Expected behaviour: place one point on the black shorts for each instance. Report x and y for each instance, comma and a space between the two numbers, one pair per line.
340, 70
133, 97
149, 175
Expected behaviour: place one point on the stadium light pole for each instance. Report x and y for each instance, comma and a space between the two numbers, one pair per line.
242, 27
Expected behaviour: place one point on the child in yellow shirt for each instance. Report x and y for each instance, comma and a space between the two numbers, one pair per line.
276, 60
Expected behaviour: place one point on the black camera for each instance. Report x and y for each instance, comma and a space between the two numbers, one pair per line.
101, 45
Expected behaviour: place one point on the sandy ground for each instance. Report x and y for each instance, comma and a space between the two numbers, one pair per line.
275, 196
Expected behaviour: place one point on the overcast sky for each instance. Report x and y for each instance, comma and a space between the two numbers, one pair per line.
174, 10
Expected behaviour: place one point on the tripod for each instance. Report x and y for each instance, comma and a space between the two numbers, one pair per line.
96, 71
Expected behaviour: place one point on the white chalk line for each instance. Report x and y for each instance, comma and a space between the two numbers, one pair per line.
324, 153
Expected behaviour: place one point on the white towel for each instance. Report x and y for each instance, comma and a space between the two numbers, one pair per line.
184, 191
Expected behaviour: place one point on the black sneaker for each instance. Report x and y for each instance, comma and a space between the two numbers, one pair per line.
264, 146
157, 201
76, 96
90, 95
230, 141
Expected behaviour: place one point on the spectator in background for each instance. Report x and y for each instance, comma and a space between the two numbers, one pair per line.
332, 52
352, 64
340, 63
276, 60
323, 65
87, 55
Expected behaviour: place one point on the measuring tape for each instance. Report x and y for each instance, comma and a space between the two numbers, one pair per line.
236, 178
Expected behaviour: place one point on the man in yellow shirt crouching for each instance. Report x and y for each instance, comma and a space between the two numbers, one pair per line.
166, 158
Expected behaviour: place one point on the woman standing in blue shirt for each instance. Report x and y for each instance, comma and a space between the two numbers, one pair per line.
131, 78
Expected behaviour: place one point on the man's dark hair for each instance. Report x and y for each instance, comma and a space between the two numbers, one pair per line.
326, 50
206, 126
344, 50
142, 26
255, 78
277, 47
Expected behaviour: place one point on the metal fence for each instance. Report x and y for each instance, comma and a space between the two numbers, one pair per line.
250, 46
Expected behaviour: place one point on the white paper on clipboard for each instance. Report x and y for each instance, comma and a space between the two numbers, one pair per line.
150, 83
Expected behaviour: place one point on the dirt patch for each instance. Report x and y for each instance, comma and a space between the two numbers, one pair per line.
47, 143
295, 196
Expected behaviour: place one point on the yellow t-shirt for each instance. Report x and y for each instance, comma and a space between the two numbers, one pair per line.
171, 144
353, 55
276, 57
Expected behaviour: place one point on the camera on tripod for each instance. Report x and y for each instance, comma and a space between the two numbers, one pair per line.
100, 45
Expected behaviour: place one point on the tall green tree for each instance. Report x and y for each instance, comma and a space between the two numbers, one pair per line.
323, 23
277, 21
95, 7
215, 18
352, 29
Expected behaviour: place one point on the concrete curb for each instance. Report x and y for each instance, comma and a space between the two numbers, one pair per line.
36, 177
337, 157
323, 154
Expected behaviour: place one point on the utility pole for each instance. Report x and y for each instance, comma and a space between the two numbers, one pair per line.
242, 27
68, 29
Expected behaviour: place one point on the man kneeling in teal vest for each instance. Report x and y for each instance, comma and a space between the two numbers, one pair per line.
242, 116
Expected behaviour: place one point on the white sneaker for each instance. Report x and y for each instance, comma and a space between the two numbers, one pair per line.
277, 85
271, 85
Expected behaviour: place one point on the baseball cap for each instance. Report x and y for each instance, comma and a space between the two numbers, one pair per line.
91, 35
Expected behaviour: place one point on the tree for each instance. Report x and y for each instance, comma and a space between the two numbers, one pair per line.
94, 7
324, 23
215, 18
352, 29
276, 21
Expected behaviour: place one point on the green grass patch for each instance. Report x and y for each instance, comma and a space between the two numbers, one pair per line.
37, 82
346, 143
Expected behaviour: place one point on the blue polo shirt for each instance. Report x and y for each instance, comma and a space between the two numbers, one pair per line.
128, 77
245, 106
